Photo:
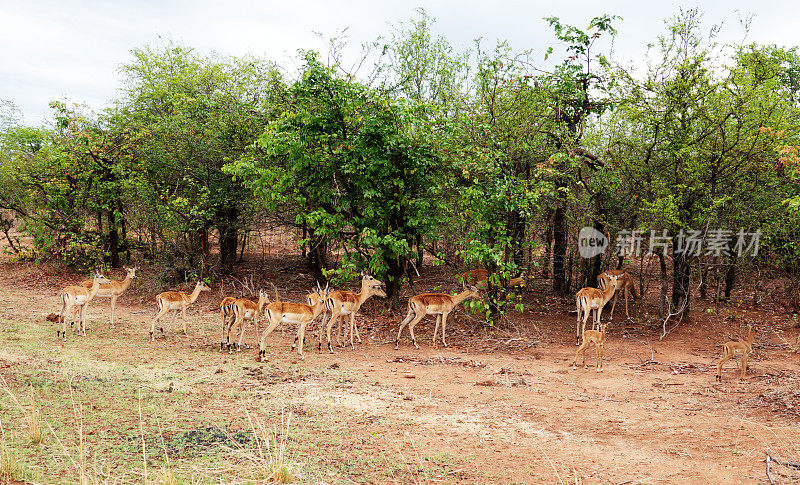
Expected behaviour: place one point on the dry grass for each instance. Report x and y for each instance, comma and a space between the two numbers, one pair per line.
269, 459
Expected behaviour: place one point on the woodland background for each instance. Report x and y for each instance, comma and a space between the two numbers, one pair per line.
417, 153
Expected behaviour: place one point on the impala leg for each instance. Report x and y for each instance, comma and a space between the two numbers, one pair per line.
744, 365
224, 330
596, 323
83, 319
436, 329
613, 305
301, 335
335, 313
323, 325
402, 326
262, 345
580, 349
578, 323
241, 336
625, 294
599, 358
444, 325
183, 314
411, 326
726, 356
157, 319
587, 312
353, 326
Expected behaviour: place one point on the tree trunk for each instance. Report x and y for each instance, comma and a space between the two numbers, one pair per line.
662, 302
420, 251
228, 225
113, 239
394, 277
318, 256
559, 248
681, 283
730, 276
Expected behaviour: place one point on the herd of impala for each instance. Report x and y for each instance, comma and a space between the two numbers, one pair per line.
237, 312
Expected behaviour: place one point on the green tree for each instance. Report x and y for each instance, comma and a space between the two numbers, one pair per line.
354, 166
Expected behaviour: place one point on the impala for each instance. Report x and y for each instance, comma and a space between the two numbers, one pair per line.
624, 284
439, 304
243, 309
341, 303
743, 347
588, 299
177, 301
113, 289
480, 279
76, 298
596, 337
300, 313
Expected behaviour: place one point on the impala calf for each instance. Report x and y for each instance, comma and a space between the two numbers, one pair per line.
113, 289
743, 347
300, 313
438, 304
596, 337
243, 310
588, 299
341, 303
177, 301
76, 298
624, 284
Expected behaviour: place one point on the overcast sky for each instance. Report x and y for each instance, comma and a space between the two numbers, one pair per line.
71, 49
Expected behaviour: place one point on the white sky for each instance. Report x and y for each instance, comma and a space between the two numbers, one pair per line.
71, 49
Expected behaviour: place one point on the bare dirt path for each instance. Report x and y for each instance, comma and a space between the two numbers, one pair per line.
375, 414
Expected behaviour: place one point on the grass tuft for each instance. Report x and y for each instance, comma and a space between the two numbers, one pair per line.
269, 459
9, 470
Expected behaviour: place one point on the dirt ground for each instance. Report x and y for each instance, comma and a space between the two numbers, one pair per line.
497, 406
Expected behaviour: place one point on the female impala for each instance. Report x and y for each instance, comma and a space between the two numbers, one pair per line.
480, 279
624, 285
114, 289
299, 313
177, 301
243, 310
588, 299
438, 304
730, 349
341, 303
76, 298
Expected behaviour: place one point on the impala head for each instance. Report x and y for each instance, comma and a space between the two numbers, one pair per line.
602, 330
473, 290
202, 286
100, 278
263, 299
130, 272
374, 284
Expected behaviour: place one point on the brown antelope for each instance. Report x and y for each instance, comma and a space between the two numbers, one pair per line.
730, 349
341, 303
114, 289
177, 301
76, 298
299, 313
243, 309
625, 285
438, 304
588, 299
596, 337
226, 310
480, 279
